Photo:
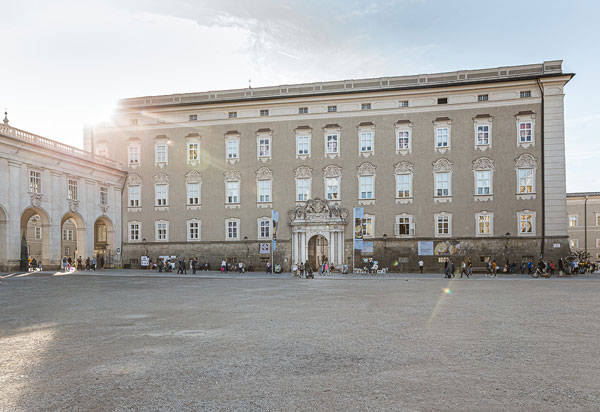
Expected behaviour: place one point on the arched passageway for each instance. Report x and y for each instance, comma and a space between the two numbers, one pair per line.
317, 250
35, 236
104, 242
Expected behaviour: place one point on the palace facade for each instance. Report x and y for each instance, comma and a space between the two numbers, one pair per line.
466, 164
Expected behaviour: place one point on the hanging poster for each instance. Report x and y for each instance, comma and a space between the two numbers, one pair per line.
359, 214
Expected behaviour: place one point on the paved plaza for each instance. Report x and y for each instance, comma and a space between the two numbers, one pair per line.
123, 340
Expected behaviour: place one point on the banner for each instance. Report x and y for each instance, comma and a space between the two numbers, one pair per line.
447, 248
264, 248
425, 248
367, 247
359, 214
275, 220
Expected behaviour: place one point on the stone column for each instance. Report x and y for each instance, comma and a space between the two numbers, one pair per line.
294, 246
18, 188
303, 246
340, 248
331, 247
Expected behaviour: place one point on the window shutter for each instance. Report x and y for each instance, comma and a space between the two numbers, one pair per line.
412, 228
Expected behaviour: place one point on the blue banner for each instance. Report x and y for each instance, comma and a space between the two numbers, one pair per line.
275, 220
359, 214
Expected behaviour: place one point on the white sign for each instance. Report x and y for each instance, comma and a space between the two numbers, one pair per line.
556, 245
118, 251
145, 261
264, 248
425, 248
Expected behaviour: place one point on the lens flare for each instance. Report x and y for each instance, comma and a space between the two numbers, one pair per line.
447, 291
395, 263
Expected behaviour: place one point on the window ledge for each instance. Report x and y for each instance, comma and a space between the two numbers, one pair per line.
403, 152
332, 155
404, 200
194, 207
134, 209
525, 196
525, 145
367, 154
192, 241
232, 205
483, 198
366, 201
161, 164
232, 239
161, 208
193, 162
134, 165
442, 150
483, 147
444, 199
264, 205
303, 156
484, 235
233, 161
264, 159
404, 236
446, 235
526, 234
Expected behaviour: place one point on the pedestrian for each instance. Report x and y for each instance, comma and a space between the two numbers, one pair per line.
551, 265
40, 265
447, 268
561, 266
463, 269
269, 268
94, 263
489, 269
326, 268
64, 263
302, 269
223, 266
421, 266
193, 263
469, 268
494, 269
240, 266
529, 267
453, 269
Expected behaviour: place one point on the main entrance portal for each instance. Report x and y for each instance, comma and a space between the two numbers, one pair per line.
317, 251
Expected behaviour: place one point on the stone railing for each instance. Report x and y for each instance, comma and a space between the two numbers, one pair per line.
46, 143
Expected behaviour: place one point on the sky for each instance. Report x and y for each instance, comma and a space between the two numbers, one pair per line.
66, 63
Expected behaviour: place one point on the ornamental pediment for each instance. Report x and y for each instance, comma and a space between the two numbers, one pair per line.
318, 211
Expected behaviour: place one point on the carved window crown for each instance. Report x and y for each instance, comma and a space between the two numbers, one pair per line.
332, 171
483, 163
264, 173
526, 161
303, 172
161, 178
232, 175
403, 168
193, 176
443, 165
134, 179
366, 169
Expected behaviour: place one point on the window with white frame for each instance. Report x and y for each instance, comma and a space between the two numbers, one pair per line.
526, 166
526, 181
193, 117
574, 243
264, 147
443, 224
35, 181
442, 128
103, 196
403, 103
332, 143
366, 187
442, 184
483, 180
233, 192
67, 234
162, 194
264, 191
525, 132
573, 220
403, 185
232, 229
232, 149
134, 155
135, 229
403, 142
38, 232
366, 142
483, 135
162, 231
442, 140
193, 193
484, 224
525, 128
67, 251
302, 145
264, 112
302, 110
525, 93
597, 243
135, 196
302, 189
404, 225
368, 225
193, 230
193, 152
526, 223
365, 106
264, 228
71, 189
161, 152
331, 109
332, 188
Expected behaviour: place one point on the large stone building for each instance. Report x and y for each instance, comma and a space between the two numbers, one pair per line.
584, 223
465, 164
67, 202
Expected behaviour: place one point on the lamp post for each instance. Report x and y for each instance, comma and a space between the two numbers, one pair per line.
384, 251
145, 248
247, 247
506, 236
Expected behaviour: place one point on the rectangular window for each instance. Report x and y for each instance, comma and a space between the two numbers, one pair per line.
232, 115
302, 110
574, 243
233, 192
67, 251
442, 225
332, 143
232, 149
264, 112
264, 191
193, 117
442, 100
72, 189
365, 106
442, 137
193, 230
483, 178
193, 151
525, 223
367, 225
483, 224
366, 142
103, 196
525, 180
573, 221
333, 188
302, 190
265, 229
442, 184
134, 231
134, 155
482, 98
366, 187
133, 122
483, 135
403, 140
162, 230
264, 147
403, 186
161, 153
134, 196
403, 103
232, 229
193, 193
35, 181
404, 226
38, 232
525, 135
67, 234
302, 143
332, 109
162, 193
525, 93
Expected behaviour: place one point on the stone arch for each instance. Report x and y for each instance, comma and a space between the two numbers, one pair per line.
80, 234
48, 258
104, 241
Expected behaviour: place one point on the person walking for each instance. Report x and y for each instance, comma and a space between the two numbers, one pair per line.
453, 269
447, 268
421, 266
94, 263
494, 269
194, 266
463, 269
469, 268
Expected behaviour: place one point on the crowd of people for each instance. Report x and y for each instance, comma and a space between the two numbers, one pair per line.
90, 263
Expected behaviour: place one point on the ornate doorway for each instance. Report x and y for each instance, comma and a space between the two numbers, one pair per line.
317, 250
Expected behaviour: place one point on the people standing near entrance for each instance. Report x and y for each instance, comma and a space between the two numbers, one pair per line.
240, 267
469, 268
79, 263
87, 263
302, 269
326, 268
447, 268
94, 263
193, 263
494, 269
102, 262
268, 268
64, 264
453, 269
421, 266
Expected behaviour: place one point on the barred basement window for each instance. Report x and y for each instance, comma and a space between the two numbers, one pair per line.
232, 115
193, 117
482, 98
442, 100
264, 112
332, 109
302, 110
365, 106
525, 93
403, 103
403, 259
